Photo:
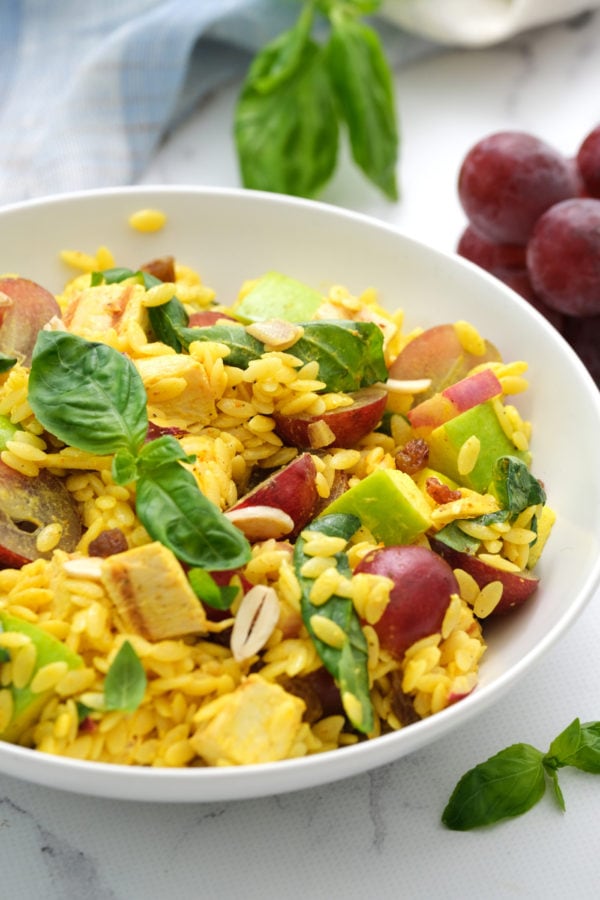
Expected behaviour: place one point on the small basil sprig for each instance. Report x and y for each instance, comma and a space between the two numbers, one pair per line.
347, 664
125, 682
92, 397
514, 780
299, 91
514, 485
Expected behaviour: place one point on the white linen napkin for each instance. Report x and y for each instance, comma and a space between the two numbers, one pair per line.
478, 22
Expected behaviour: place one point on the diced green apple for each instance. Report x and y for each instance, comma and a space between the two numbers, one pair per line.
277, 296
27, 704
389, 504
446, 440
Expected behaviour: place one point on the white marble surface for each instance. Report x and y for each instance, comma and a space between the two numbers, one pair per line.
379, 834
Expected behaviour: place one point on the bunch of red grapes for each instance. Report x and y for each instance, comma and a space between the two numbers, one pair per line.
534, 222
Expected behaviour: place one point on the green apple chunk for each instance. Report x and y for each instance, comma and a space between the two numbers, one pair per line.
389, 504
26, 703
277, 296
446, 440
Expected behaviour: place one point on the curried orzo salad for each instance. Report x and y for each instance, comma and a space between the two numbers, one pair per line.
240, 530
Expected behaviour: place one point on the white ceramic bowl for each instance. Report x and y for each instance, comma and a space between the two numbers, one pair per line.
230, 235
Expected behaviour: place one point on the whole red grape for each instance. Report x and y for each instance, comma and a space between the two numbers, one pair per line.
488, 255
584, 337
508, 179
563, 257
588, 160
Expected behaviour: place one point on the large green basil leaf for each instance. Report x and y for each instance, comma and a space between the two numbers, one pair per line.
175, 512
287, 138
347, 664
243, 348
506, 785
87, 394
364, 90
350, 354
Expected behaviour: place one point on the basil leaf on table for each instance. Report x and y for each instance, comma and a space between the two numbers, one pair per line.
287, 137
125, 682
87, 394
282, 56
511, 782
365, 96
577, 746
347, 664
506, 785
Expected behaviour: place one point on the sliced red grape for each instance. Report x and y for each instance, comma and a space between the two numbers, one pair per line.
508, 179
588, 161
563, 257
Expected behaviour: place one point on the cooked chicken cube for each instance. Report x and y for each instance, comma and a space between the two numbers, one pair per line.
259, 722
93, 312
178, 389
151, 593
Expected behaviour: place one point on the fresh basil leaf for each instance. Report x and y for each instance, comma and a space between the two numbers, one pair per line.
578, 746
287, 138
207, 589
365, 94
87, 394
125, 682
350, 354
282, 56
243, 348
6, 362
558, 794
159, 452
456, 538
175, 512
124, 466
347, 664
506, 785
167, 321
119, 274
514, 485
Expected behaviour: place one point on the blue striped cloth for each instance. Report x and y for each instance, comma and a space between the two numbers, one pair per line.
89, 89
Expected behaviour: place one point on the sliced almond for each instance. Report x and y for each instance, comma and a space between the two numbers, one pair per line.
259, 523
5, 300
89, 567
276, 333
255, 621
320, 434
406, 386
55, 324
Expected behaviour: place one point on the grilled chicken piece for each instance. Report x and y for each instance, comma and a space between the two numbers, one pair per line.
92, 312
178, 389
152, 594
259, 722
